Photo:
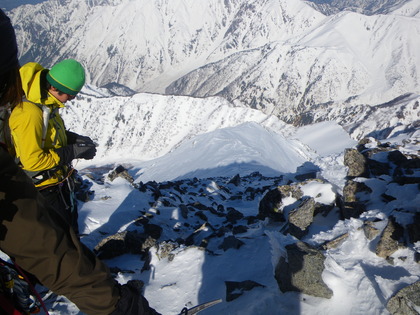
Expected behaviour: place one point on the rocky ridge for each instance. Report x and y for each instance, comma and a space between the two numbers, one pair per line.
378, 176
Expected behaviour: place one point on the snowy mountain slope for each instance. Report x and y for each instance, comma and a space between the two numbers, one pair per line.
186, 274
280, 56
147, 44
146, 126
233, 151
349, 58
368, 7
157, 129
410, 8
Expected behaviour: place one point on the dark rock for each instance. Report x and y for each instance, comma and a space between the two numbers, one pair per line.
353, 203
306, 176
390, 239
250, 193
302, 217
199, 234
414, 229
377, 168
387, 198
123, 243
236, 180
155, 231
397, 157
231, 242
406, 301
239, 229
335, 242
156, 194
184, 211
270, 206
251, 219
220, 208
215, 212
165, 249
201, 215
111, 247
120, 171
370, 230
222, 231
236, 289
235, 197
406, 180
352, 188
233, 215
147, 257
142, 187
302, 271
356, 163
199, 206
323, 209
293, 191
352, 210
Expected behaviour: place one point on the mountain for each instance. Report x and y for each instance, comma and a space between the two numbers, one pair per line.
146, 126
147, 44
348, 60
282, 57
213, 195
367, 7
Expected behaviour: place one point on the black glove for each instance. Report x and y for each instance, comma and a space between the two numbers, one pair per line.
84, 150
73, 138
85, 140
70, 152
131, 300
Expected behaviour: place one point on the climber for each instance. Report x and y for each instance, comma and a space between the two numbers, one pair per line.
44, 148
36, 237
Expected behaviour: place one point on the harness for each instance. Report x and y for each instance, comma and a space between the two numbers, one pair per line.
17, 293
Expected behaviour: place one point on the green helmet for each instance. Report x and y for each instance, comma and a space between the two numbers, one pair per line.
67, 76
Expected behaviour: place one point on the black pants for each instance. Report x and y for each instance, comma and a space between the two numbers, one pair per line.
61, 198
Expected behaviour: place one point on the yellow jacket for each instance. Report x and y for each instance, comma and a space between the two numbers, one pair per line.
26, 125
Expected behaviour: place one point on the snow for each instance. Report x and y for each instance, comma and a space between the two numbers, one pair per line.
361, 281
209, 140
233, 151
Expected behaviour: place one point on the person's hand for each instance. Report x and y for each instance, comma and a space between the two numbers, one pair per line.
84, 139
70, 152
73, 138
84, 150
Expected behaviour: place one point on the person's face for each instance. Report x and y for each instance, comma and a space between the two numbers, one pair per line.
61, 96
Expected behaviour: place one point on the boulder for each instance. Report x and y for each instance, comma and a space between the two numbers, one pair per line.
356, 163
406, 301
391, 239
302, 271
302, 217
127, 242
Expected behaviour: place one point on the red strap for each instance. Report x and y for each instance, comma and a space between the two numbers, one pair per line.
35, 292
